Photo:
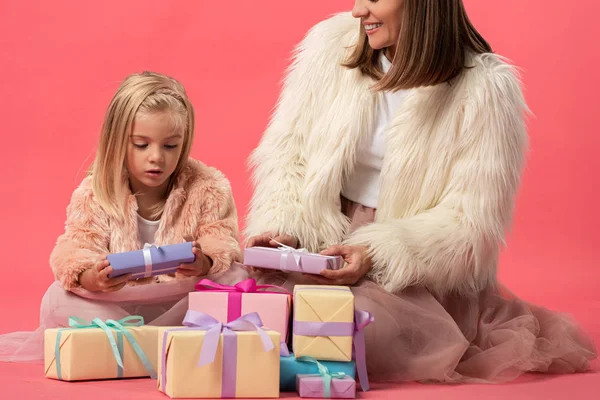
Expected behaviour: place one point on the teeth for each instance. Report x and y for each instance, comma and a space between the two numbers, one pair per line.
372, 26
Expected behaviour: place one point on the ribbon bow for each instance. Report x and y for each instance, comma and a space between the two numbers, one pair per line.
245, 286
286, 251
148, 258
200, 321
324, 372
120, 327
214, 328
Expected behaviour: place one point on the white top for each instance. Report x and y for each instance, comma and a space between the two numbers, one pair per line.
363, 185
147, 230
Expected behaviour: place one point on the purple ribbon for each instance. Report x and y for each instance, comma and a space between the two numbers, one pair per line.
356, 330
304, 328
196, 320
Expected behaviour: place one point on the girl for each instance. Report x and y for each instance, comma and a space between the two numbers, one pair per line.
143, 188
398, 143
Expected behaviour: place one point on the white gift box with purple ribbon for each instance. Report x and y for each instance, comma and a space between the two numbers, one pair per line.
286, 258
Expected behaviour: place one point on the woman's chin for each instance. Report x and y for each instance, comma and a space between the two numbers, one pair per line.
376, 44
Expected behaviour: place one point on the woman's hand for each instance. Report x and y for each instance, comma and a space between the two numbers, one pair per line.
200, 266
358, 265
269, 240
95, 279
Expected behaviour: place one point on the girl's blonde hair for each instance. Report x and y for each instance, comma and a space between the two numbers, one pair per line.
140, 93
432, 48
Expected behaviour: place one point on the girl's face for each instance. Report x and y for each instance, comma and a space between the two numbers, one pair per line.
382, 20
153, 151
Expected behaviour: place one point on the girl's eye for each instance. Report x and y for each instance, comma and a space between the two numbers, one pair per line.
141, 145
171, 146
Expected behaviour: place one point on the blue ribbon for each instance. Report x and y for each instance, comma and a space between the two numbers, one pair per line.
120, 327
324, 372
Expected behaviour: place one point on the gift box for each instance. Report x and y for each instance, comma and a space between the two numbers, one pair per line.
315, 386
327, 327
315, 305
286, 258
226, 303
151, 260
208, 359
101, 350
291, 366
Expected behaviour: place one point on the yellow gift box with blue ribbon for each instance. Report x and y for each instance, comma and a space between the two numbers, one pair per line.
99, 349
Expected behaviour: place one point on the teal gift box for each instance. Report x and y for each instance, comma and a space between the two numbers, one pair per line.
290, 367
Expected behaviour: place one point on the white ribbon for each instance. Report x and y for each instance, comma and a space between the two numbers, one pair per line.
148, 259
286, 251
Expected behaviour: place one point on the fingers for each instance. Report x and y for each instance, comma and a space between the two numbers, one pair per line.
348, 275
284, 239
104, 272
106, 282
186, 267
273, 242
102, 264
259, 240
118, 280
189, 270
336, 274
338, 250
197, 252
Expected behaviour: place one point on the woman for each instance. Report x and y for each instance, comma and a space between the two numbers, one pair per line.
398, 143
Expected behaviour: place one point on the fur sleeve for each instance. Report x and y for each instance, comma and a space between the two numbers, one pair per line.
217, 230
279, 162
86, 237
454, 246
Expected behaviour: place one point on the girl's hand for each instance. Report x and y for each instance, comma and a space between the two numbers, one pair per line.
200, 266
95, 279
359, 264
265, 240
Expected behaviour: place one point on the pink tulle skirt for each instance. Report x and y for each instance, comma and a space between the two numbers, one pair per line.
487, 338
490, 338
161, 304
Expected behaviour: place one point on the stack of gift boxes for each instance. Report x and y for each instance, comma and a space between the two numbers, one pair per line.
233, 341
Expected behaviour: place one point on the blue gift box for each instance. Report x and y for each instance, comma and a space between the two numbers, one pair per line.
151, 261
290, 367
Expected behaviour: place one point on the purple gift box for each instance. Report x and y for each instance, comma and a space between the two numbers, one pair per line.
288, 259
313, 386
151, 261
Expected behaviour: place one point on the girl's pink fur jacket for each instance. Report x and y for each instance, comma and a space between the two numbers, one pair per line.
200, 207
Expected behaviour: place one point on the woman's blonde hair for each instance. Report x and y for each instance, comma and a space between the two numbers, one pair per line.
434, 38
140, 93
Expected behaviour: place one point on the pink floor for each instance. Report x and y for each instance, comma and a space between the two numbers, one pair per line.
26, 381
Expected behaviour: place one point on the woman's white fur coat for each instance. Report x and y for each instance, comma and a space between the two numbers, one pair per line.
450, 173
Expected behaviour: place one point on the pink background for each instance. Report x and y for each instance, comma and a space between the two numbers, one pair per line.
60, 63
